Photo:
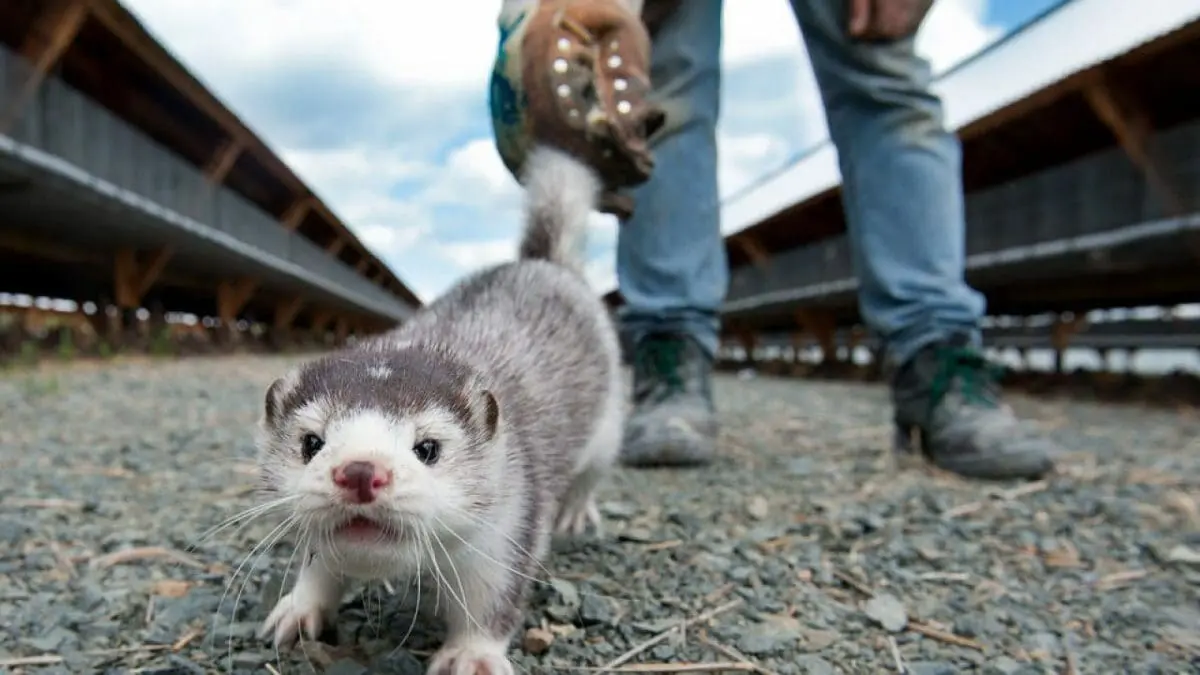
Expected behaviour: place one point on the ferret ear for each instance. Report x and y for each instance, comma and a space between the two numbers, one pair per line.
273, 404
491, 413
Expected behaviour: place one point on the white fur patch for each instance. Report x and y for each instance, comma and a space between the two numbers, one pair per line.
379, 372
368, 434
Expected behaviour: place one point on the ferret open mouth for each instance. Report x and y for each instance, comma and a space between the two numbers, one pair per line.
361, 527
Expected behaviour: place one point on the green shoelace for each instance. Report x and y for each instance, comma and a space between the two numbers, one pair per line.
978, 378
662, 360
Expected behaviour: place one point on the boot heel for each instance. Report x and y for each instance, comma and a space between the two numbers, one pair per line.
907, 447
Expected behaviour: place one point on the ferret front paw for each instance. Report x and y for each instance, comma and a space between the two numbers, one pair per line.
471, 658
575, 517
296, 613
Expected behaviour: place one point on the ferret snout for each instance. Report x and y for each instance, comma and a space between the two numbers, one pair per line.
360, 481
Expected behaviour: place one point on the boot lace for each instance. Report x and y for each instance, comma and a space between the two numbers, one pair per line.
661, 363
969, 373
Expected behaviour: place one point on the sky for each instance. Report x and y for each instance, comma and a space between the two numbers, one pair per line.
382, 109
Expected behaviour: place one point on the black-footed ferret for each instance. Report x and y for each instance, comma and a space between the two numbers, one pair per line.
458, 442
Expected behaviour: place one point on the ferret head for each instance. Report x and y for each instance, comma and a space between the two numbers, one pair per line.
372, 450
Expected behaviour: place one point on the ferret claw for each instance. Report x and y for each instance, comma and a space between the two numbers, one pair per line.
471, 659
575, 517
294, 615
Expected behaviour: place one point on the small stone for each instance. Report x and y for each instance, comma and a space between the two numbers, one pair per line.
620, 510
568, 594
562, 614
346, 667
50, 641
810, 664
1047, 642
639, 535
931, 668
593, 610
816, 640
1003, 665
537, 641
398, 663
758, 508
178, 663
765, 639
887, 611
251, 658
1184, 555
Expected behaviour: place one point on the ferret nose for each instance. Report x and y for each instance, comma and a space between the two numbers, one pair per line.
361, 481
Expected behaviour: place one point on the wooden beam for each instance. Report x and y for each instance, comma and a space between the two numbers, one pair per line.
823, 327
321, 319
362, 266
133, 277
336, 246
52, 34
285, 313
232, 297
153, 269
753, 249
1128, 121
126, 29
222, 161
296, 213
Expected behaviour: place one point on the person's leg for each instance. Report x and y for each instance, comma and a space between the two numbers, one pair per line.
671, 265
903, 199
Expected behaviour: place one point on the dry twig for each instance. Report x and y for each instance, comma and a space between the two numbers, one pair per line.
1003, 496
55, 659
730, 652
682, 626
716, 667
857, 585
143, 552
944, 636
896, 657
1118, 579
19, 503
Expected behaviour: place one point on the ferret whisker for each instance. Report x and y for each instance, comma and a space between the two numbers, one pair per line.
302, 545
487, 557
237, 570
461, 589
263, 546
436, 567
249, 516
492, 528
412, 623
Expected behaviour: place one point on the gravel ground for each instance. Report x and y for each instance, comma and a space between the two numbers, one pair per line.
801, 550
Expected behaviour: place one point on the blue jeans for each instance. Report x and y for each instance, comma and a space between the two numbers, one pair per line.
901, 190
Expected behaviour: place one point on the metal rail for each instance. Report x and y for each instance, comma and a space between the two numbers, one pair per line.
1132, 334
67, 143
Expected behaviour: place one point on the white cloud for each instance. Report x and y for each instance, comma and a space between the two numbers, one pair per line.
416, 174
434, 45
476, 254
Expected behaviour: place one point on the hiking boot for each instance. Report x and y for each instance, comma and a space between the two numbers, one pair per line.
673, 421
948, 408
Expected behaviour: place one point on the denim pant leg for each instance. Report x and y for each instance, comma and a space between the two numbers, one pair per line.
901, 183
671, 265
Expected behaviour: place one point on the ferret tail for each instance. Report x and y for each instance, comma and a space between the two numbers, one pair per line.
560, 194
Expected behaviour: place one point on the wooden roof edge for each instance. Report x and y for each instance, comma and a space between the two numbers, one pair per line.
132, 32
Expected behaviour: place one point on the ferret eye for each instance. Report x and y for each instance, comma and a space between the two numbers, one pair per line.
310, 445
428, 451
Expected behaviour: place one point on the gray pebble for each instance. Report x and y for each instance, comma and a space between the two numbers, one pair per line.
931, 668
887, 611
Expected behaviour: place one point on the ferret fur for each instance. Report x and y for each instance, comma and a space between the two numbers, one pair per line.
516, 372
